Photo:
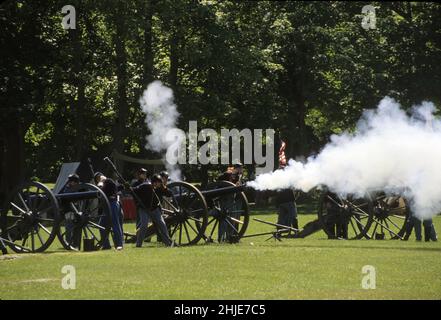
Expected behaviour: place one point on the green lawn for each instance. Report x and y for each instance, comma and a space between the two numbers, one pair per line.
311, 268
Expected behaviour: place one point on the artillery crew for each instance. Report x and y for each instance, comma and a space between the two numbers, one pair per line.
110, 189
227, 230
232, 174
164, 176
73, 180
72, 235
286, 202
141, 177
150, 194
287, 214
414, 222
141, 214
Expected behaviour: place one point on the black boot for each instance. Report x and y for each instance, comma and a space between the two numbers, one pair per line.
295, 224
427, 234
433, 235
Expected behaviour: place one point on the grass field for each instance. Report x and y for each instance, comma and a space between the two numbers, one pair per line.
311, 268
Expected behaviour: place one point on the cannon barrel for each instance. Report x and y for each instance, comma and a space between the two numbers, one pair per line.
71, 196
209, 194
74, 196
213, 193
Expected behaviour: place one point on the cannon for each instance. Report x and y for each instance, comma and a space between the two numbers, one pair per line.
219, 213
391, 215
34, 217
228, 211
375, 216
345, 218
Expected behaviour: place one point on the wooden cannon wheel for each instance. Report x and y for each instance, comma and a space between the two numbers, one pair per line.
185, 213
390, 217
228, 214
31, 218
88, 218
345, 218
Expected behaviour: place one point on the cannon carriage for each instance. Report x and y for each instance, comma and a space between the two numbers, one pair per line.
375, 216
34, 217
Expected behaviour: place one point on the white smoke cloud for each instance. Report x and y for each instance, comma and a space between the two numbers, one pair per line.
389, 151
157, 102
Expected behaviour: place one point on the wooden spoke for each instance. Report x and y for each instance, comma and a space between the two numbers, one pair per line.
214, 227
383, 226
194, 230
231, 225
235, 220
174, 230
186, 232
171, 205
18, 208
352, 224
96, 226
395, 225
335, 202
23, 202
91, 233
44, 228
32, 240
39, 237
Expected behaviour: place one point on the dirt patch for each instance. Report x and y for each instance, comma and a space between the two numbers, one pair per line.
39, 280
7, 257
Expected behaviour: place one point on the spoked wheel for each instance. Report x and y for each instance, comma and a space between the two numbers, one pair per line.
228, 215
31, 218
85, 219
390, 217
348, 218
3, 245
186, 213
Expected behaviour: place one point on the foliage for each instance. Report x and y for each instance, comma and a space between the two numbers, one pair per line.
307, 69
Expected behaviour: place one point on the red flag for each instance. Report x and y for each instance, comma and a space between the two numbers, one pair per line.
282, 157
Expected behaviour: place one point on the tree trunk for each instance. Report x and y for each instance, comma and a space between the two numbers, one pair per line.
80, 101
174, 62
296, 144
12, 159
121, 73
81, 106
148, 39
301, 144
147, 67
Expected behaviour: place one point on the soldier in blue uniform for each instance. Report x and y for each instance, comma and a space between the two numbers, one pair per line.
151, 194
231, 204
287, 214
414, 222
110, 189
142, 218
72, 234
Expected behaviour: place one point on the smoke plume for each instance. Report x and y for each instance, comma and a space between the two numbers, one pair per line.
157, 102
389, 151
